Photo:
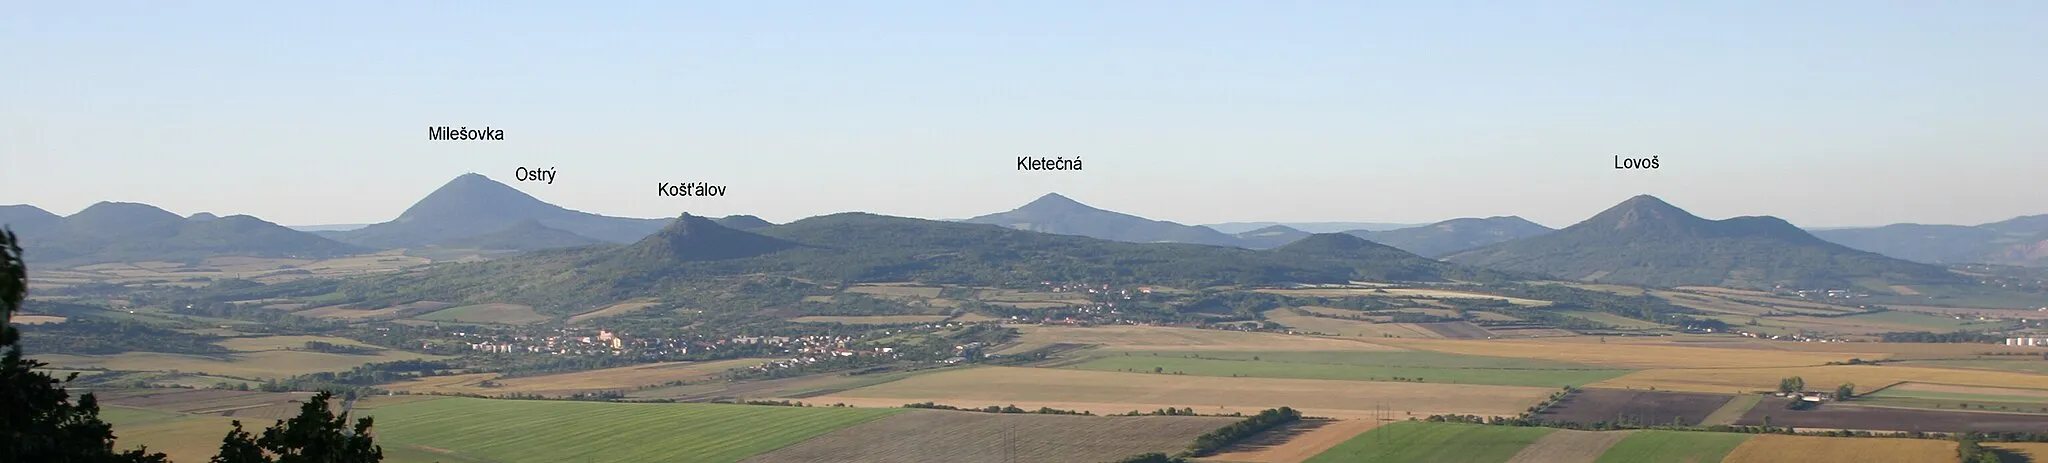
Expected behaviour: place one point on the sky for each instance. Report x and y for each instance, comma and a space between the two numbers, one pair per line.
1825, 113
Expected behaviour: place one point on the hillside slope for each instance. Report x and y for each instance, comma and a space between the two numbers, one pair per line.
473, 205
679, 262
135, 232
1646, 241
1451, 236
1057, 214
2020, 241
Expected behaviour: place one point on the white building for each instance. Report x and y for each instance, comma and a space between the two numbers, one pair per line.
2027, 341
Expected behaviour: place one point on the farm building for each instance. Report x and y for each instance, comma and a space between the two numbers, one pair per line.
2027, 341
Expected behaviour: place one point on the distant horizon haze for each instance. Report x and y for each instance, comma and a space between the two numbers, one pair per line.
1829, 113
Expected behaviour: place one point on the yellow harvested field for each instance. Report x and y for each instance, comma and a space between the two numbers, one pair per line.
185, 438
621, 308
896, 290
265, 364
35, 319
343, 312
1771, 448
1299, 447
265, 343
1866, 377
872, 319
1904, 290
1120, 392
1624, 354
1721, 290
570, 383
1399, 292
1616, 289
1146, 338
1348, 328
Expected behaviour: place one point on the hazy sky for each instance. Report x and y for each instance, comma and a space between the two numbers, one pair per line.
1822, 112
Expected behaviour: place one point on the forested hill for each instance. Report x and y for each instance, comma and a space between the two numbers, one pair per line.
473, 205
1646, 241
1450, 236
859, 247
1057, 214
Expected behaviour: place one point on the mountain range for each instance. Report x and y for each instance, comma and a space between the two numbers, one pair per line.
1646, 241
1059, 215
1641, 241
1237, 228
472, 205
135, 232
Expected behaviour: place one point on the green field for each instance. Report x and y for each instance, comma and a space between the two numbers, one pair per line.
509, 314
2027, 365
456, 429
1430, 367
1653, 445
1416, 441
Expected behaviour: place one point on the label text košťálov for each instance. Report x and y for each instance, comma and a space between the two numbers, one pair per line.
688, 189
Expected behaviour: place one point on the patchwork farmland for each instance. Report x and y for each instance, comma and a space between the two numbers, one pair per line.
972, 437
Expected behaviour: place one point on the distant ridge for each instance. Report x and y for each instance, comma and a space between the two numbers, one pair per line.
743, 222
2017, 241
526, 235
1060, 215
135, 232
1310, 227
1451, 236
1647, 241
1270, 237
473, 205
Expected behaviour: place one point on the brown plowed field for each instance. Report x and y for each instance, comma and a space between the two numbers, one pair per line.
1457, 330
1844, 416
1641, 407
971, 437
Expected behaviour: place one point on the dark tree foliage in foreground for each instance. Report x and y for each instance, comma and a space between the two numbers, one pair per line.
317, 435
38, 421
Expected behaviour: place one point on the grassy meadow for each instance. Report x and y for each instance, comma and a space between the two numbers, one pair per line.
551, 431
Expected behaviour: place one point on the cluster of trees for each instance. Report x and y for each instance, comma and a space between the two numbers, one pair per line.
332, 348
999, 409
1208, 443
1968, 450
1791, 384
1959, 337
93, 336
39, 421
